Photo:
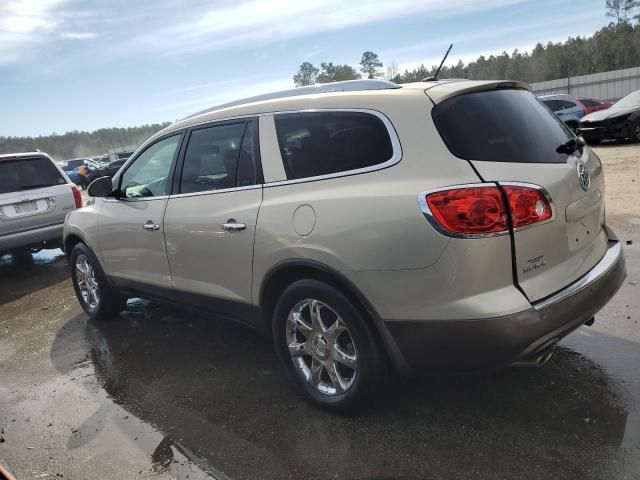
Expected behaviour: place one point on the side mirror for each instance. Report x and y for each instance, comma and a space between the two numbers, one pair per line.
581, 141
100, 187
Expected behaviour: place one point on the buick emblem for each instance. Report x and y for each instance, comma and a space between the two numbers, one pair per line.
583, 176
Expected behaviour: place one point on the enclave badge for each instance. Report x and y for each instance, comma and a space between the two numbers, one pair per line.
583, 176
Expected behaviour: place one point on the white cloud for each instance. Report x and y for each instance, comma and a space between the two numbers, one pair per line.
224, 92
172, 27
465, 48
24, 24
79, 35
252, 22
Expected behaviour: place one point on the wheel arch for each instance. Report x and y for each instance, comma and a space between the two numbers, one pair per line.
283, 274
71, 241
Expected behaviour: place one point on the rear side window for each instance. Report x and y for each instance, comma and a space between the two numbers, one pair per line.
27, 174
501, 126
323, 143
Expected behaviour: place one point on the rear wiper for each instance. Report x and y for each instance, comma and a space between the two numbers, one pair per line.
571, 145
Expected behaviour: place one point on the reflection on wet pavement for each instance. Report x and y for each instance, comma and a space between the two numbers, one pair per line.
215, 395
27, 273
163, 393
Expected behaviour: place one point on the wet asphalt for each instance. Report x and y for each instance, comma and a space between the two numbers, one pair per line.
164, 393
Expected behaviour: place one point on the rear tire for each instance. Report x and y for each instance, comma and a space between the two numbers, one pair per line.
331, 355
97, 297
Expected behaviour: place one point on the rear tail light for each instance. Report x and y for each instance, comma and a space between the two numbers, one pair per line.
528, 205
480, 210
76, 196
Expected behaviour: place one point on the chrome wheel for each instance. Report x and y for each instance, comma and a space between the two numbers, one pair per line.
87, 282
321, 347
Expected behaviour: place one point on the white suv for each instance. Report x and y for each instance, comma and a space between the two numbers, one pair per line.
364, 225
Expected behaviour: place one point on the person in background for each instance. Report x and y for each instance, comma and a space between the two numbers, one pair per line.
83, 174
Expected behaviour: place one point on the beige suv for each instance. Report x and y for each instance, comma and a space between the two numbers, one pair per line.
367, 226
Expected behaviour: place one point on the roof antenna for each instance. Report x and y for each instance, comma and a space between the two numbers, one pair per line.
434, 78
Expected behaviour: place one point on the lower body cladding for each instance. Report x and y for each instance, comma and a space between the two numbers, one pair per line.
49, 236
525, 337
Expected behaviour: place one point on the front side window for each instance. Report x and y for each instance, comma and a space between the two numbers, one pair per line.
147, 176
219, 157
323, 143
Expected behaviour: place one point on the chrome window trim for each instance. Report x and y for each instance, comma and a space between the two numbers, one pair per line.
128, 200
213, 121
424, 206
608, 261
213, 192
396, 147
428, 214
546, 195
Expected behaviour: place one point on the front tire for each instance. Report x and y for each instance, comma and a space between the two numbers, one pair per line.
326, 346
97, 297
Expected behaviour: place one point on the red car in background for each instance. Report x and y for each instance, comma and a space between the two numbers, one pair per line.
592, 105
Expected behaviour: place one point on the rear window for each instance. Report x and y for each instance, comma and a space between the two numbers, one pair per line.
27, 174
323, 143
501, 126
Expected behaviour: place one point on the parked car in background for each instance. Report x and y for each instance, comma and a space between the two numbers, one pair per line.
35, 197
75, 163
364, 226
110, 169
567, 107
114, 156
592, 105
619, 122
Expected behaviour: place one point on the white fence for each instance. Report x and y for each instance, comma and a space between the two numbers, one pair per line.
605, 85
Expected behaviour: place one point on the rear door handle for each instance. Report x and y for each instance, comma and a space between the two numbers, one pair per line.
151, 227
233, 226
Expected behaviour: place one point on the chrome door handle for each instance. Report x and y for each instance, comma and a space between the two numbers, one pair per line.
233, 226
151, 227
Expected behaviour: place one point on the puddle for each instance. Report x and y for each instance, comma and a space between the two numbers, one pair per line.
216, 396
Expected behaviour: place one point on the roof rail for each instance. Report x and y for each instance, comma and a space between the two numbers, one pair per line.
346, 86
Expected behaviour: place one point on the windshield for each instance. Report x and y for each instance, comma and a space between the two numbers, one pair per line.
27, 174
631, 100
501, 126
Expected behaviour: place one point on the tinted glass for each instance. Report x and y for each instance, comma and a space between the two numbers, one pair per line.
322, 143
27, 174
247, 162
501, 126
552, 104
147, 176
211, 159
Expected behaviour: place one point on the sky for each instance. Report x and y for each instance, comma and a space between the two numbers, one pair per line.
87, 64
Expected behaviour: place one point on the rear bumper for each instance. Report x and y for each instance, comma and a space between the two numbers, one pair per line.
500, 341
37, 237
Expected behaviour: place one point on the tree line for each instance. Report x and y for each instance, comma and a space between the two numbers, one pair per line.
81, 144
613, 47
